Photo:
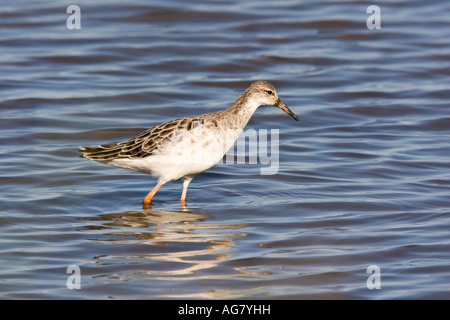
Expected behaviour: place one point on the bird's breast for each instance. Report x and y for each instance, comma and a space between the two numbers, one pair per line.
204, 143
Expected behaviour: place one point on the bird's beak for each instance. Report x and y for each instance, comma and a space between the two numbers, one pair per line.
283, 107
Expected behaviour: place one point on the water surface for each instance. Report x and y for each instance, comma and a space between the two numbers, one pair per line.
363, 177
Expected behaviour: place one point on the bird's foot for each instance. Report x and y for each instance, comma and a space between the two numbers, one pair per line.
147, 205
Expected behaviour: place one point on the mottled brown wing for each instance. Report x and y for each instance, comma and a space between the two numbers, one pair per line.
145, 144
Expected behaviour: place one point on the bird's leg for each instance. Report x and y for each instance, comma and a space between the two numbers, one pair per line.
148, 198
183, 194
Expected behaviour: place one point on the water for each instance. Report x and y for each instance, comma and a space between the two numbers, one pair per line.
363, 177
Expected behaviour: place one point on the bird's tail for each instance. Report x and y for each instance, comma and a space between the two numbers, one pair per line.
105, 152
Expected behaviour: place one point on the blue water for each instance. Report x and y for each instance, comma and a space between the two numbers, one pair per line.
363, 177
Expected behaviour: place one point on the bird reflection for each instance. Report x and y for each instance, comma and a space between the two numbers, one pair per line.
181, 245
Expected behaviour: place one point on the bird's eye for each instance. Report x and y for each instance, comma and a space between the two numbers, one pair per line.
269, 92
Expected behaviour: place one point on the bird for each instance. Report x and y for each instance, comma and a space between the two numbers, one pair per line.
185, 147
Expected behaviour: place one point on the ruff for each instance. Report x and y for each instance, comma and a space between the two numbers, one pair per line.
185, 147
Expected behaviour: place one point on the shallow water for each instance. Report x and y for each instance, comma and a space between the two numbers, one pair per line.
363, 178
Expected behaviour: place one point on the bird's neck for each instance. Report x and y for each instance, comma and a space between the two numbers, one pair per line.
242, 110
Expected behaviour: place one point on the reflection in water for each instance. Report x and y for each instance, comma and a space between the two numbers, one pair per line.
180, 245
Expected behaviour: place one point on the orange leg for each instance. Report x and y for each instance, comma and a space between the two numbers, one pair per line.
148, 198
